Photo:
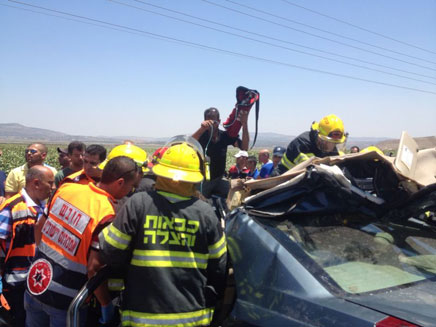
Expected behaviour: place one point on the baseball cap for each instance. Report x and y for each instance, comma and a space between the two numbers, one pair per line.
241, 153
279, 151
62, 150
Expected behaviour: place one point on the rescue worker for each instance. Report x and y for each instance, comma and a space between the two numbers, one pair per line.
69, 241
18, 216
94, 155
172, 243
138, 155
321, 141
372, 148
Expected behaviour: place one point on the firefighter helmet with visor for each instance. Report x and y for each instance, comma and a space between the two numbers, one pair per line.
183, 160
331, 129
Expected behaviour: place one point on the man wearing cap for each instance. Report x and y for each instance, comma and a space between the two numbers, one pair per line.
75, 152
35, 154
172, 244
63, 158
239, 170
278, 153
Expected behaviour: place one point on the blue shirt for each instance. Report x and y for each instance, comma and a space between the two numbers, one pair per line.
266, 170
254, 174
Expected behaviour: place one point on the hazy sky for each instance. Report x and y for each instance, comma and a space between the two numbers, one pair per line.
113, 68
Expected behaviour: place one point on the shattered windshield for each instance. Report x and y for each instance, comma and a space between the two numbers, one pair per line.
366, 256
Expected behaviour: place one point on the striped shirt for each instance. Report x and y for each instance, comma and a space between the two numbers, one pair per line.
6, 219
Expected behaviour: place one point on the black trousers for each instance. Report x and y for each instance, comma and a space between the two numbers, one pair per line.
15, 298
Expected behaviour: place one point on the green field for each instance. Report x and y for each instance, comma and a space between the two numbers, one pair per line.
13, 155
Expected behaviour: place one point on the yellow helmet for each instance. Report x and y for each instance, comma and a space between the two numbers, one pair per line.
370, 149
182, 161
138, 155
331, 129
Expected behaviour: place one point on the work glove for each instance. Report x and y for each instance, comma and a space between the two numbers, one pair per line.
107, 314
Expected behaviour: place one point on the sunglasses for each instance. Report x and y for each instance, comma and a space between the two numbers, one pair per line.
32, 151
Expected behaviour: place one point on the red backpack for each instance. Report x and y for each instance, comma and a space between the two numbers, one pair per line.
245, 98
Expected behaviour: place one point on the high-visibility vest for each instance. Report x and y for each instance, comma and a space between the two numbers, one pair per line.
60, 267
22, 246
78, 177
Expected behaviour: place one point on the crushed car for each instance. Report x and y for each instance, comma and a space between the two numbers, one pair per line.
339, 241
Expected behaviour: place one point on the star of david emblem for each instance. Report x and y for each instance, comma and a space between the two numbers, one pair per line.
38, 277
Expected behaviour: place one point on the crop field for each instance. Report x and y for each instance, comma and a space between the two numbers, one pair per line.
13, 155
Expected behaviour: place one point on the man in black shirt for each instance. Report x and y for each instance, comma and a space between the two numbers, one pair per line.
76, 150
214, 142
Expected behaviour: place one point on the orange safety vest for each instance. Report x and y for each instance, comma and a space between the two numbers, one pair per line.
60, 267
22, 246
78, 177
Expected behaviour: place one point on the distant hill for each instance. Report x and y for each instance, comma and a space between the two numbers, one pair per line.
423, 143
17, 133
12, 132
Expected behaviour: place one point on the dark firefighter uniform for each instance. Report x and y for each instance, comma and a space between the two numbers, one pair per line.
176, 254
301, 149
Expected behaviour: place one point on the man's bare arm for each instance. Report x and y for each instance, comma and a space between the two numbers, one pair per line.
243, 117
205, 125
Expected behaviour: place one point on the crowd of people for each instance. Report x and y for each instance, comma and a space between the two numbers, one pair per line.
145, 218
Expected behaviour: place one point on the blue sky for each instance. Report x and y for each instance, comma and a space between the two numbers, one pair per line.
83, 79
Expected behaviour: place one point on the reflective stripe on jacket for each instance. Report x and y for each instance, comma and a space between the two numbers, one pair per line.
78, 177
74, 214
301, 149
22, 245
176, 254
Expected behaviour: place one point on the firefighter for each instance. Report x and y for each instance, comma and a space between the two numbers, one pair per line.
68, 240
321, 141
172, 243
138, 155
